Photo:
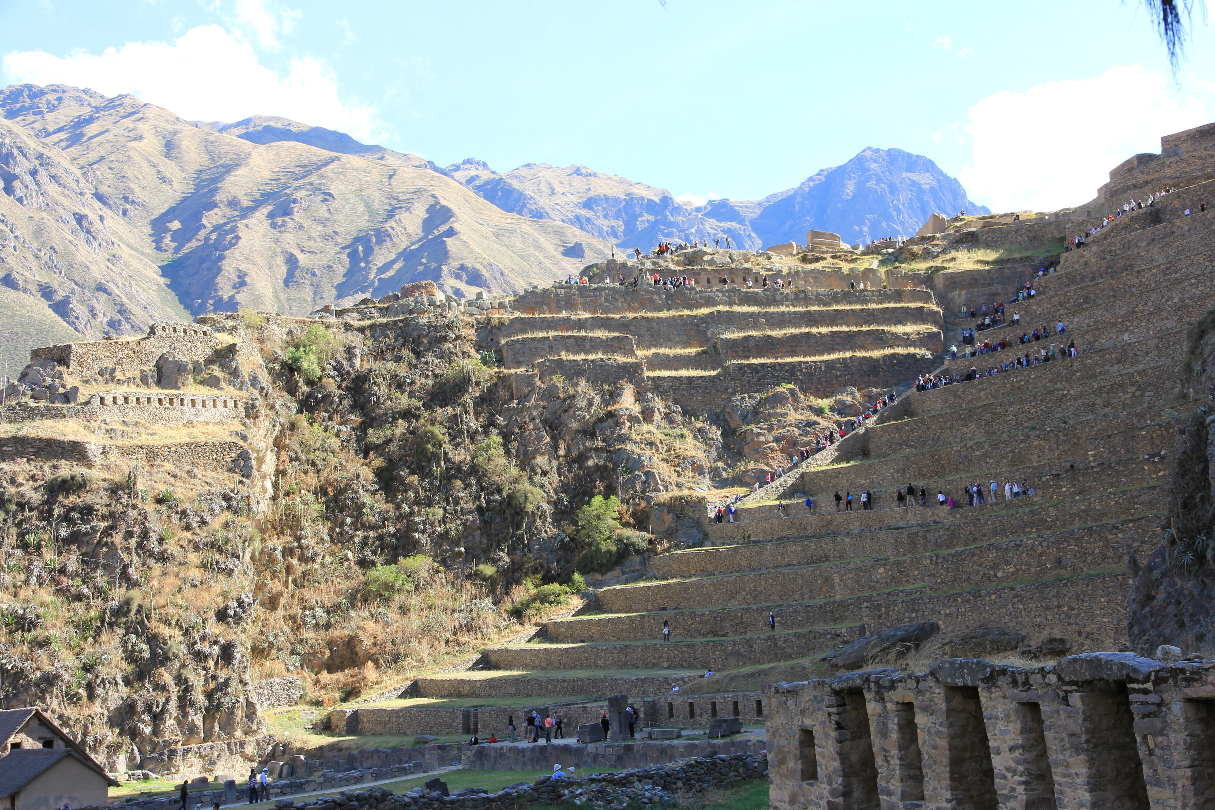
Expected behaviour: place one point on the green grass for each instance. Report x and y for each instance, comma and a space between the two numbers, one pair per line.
155, 787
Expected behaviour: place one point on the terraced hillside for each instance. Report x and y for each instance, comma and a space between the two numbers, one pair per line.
1092, 435
697, 347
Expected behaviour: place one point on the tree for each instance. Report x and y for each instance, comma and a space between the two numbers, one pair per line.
1172, 20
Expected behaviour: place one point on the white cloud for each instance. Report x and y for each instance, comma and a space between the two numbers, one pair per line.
264, 20
1053, 145
207, 74
963, 53
348, 35
944, 43
692, 199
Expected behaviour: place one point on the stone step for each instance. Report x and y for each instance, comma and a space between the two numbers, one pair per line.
919, 530
1063, 552
716, 654
714, 621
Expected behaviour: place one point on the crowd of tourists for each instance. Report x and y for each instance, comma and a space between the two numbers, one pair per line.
1076, 242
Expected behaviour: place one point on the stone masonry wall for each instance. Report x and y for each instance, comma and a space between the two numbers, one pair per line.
534, 687
810, 343
525, 350
1102, 730
124, 359
278, 692
697, 329
596, 371
155, 408
226, 456
610, 299
700, 393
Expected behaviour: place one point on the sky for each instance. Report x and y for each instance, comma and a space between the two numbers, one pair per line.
1029, 104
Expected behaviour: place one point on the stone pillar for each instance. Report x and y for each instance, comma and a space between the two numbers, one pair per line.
619, 729
230, 792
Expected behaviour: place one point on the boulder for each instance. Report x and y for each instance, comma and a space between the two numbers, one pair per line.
425, 739
887, 645
213, 381
437, 785
979, 641
172, 372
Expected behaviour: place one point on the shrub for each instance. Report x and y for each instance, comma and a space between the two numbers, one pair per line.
487, 575
67, 483
166, 496
431, 442
550, 595
577, 583
386, 582
251, 318
308, 355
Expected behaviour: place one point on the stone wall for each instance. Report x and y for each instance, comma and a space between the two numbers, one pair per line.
699, 329
596, 371
154, 408
657, 784
225, 456
701, 393
811, 343
609, 299
1102, 730
125, 359
524, 351
278, 692
505, 687
695, 654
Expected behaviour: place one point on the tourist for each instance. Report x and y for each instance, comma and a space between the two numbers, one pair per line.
606, 724
1007, 491
1060, 327
838, 499
848, 501
864, 501
631, 716
184, 790
252, 786
1016, 489
810, 505
263, 785
940, 498
923, 496
772, 621
510, 724
970, 495
473, 740
901, 499
719, 515
548, 729
558, 726
731, 510
557, 772
528, 723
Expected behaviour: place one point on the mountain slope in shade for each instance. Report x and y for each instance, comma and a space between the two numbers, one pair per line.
614, 208
284, 224
878, 193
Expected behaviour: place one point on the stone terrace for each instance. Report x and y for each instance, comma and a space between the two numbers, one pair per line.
699, 346
1093, 435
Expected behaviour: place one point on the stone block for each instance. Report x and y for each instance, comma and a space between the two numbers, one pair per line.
590, 733
725, 725
665, 733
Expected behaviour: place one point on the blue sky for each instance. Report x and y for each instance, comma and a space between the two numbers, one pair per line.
1029, 104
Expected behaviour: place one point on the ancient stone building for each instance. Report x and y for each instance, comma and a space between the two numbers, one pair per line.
1106, 731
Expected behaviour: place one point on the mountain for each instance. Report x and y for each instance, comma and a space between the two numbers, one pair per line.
614, 208
119, 213
880, 192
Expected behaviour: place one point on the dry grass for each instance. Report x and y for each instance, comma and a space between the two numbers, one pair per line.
74, 430
602, 333
897, 328
669, 350
684, 372
822, 358
757, 311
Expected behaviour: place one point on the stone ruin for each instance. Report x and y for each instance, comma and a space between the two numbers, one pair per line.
1113, 731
